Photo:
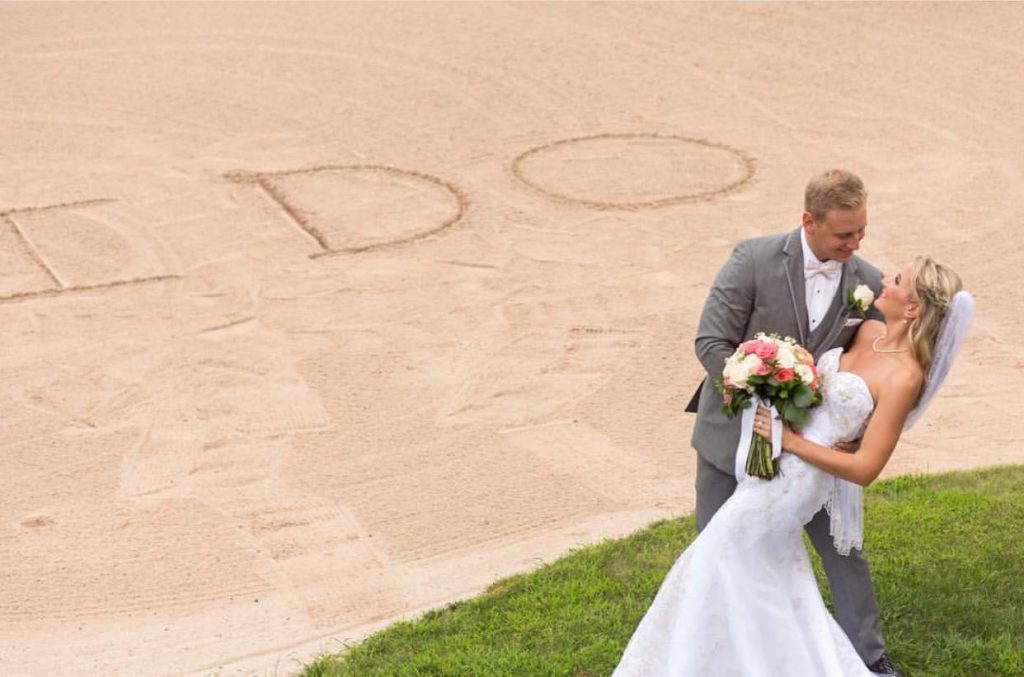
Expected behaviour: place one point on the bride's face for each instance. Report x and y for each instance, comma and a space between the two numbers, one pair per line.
897, 297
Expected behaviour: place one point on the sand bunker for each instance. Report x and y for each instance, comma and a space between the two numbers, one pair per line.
316, 316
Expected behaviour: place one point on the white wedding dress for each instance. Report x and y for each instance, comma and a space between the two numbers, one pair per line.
742, 600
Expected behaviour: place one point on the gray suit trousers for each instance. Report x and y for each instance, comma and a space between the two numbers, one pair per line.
848, 576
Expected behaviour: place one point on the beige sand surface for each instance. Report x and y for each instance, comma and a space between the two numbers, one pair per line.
316, 316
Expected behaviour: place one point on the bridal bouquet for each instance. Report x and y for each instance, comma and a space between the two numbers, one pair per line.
772, 372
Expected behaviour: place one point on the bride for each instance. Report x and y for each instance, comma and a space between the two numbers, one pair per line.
742, 599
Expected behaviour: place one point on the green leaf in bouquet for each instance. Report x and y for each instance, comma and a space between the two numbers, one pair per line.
799, 417
803, 396
740, 401
729, 409
772, 382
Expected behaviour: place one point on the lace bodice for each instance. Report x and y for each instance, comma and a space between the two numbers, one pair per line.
846, 405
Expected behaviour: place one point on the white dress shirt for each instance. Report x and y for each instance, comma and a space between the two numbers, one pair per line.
821, 282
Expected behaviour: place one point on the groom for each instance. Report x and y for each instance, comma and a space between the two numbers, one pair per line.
794, 284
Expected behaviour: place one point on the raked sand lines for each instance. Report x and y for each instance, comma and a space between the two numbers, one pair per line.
592, 458
313, 546
525, 377
224, 427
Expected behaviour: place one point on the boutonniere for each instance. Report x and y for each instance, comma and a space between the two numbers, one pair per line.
859, 300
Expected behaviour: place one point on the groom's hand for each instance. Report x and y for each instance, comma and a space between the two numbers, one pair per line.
850, 447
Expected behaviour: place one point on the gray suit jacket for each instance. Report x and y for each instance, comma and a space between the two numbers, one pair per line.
761, 288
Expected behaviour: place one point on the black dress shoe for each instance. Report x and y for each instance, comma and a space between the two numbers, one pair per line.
884, 666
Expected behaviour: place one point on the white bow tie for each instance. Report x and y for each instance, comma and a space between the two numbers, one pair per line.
830, 269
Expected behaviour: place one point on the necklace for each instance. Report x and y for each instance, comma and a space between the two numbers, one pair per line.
874, 346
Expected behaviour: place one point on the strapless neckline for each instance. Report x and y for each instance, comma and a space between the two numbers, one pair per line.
827, 366
862, 381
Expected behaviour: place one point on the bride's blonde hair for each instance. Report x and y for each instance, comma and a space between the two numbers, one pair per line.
934, 286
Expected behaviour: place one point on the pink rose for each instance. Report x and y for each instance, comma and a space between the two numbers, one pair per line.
784, 375
749, 347
766, 351
763, 370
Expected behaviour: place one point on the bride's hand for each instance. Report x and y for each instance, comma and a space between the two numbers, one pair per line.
763, 427
763, 423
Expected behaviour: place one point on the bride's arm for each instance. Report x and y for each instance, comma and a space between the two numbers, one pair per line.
895, 400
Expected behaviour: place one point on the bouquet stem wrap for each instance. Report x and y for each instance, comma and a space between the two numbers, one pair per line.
756, 456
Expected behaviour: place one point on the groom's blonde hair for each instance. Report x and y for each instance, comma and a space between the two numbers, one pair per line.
834, 189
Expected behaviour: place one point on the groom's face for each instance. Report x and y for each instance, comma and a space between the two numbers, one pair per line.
836, 237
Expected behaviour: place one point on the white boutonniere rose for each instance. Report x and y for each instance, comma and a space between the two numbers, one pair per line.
859, 300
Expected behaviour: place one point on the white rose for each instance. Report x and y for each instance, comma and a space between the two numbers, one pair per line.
734, 373
730, 368
863, 296
805, 373
751, 363
786, 357
739, 371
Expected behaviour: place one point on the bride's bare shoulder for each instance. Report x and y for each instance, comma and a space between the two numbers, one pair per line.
868, 331
905, 379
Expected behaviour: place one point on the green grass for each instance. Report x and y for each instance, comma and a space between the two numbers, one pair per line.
947, 559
